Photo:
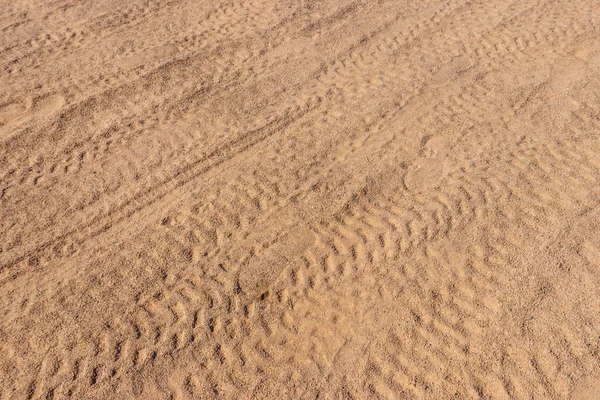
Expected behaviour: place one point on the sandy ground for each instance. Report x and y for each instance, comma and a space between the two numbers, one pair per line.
299, 199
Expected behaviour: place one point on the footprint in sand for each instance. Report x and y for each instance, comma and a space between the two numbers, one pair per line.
17, 111
11, 112
428, 172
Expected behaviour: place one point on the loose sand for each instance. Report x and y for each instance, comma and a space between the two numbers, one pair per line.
299, 199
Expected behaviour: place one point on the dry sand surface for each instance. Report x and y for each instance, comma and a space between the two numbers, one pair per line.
306, 199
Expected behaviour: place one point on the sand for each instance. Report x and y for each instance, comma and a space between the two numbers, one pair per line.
279, 199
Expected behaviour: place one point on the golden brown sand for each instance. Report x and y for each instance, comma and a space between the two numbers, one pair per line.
284, 199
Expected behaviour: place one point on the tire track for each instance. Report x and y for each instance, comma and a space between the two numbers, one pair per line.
286, 111
383, 239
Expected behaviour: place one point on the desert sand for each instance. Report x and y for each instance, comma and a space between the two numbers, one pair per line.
276, 199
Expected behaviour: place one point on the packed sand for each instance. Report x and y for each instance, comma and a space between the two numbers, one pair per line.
280, 199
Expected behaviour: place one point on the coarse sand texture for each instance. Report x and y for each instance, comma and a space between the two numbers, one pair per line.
277, 199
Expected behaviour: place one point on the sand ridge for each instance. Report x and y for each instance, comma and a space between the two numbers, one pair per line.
277, 199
